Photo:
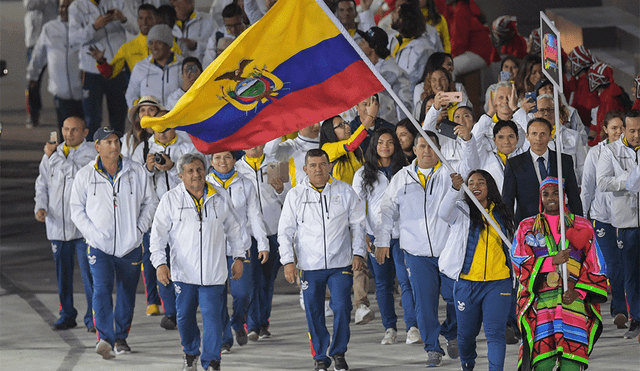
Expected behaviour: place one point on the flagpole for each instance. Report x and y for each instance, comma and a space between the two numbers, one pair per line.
411, 118
563, 232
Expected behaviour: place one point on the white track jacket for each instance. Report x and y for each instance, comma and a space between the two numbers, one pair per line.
113, 217
197, 239
53, 189
326, 229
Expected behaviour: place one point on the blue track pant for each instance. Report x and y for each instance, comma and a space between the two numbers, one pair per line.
210, 299
314, 283
63, 253
428, 284
241, 293
479, 303
149, 273
614, 262
384, 276
629, 243
125, 271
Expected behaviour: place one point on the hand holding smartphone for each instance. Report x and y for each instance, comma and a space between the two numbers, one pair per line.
451, 97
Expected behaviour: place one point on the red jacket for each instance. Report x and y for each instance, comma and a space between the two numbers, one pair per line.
468, 34
584, 100
608, 101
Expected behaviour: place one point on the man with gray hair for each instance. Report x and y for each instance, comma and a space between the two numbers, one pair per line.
196, 221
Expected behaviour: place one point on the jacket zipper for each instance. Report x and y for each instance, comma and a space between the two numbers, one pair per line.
201, 273
324, 233
426, 220
64, 229
258, 189
486, 254
115, 225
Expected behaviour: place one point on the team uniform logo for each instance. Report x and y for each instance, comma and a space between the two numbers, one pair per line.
304, 285
461, 306
601, 232
54, 247
92, 259
246, 92
177, 288
620, 244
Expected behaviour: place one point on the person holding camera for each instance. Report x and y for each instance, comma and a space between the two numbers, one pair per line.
164, 150
191, 70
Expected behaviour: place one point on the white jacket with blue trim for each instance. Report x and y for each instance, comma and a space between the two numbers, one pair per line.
113, 216
53, 189
326, 229
197, 240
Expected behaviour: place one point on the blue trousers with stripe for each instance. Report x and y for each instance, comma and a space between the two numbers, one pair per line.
614, 261
479, 303
629, 244
210, 299
149, 272
314, 283
384, 276
241, 293
125, 271
63, 253
428, 284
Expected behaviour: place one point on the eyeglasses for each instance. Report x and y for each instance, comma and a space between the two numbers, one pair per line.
343, 125
546, 111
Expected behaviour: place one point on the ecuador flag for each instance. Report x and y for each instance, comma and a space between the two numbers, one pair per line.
293, 68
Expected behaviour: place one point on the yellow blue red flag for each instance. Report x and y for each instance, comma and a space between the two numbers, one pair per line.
291, 69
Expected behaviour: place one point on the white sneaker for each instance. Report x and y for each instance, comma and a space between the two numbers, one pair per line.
301, 300
105, 349
413, 336
364, 314
389, 337
328, 312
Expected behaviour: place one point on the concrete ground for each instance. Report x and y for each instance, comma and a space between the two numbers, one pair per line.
29, 304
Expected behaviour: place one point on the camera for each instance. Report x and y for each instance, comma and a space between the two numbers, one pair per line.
159, 159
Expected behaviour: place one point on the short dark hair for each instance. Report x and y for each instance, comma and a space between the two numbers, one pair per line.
544, 121
431, 134
148, 7
351, 1
468, 109
168, 15
509, 58
505, 123
193, 60
232, 10
632, 114
315, 152
407, 124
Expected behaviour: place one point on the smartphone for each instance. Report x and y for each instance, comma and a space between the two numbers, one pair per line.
453, 97
531, 96
192, 68
53, 137
278, 170
446, 129
505, 76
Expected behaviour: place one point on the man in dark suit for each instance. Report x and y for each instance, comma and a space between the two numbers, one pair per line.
523, 173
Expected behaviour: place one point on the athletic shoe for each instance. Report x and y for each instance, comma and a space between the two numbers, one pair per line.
91, 329
153, 310
389, 337
241, 337
320, 366
328, 312
104, 349
190, 363
253, 335
168, 323
620, 320
64, 325
214, 366
339, 363
122, 347
413, 336
226, 349
434, 359
364, 314
511, 335
264, 333
452, 348
634, 329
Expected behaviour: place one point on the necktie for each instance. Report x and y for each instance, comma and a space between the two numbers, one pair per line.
542, 168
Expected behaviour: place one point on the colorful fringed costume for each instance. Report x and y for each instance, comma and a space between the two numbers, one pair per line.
551, 329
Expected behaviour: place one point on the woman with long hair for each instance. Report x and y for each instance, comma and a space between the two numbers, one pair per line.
529, 73
383, 159
343, 147
406, 133
147, 106
477, 258
433, 18
436, 81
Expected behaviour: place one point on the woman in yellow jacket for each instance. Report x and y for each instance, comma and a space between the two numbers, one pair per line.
343, 147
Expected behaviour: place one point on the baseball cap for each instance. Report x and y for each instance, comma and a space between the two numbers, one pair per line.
375, 37
103, 133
